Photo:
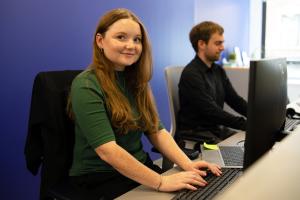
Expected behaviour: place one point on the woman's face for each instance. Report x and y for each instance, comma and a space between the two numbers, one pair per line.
122, 43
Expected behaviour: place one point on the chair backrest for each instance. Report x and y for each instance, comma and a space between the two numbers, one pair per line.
172, 76
50, 137
239, 78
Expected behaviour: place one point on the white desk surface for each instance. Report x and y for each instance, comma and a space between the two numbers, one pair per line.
145, 193
275, 176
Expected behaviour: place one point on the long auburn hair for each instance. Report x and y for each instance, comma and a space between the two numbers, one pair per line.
137, 80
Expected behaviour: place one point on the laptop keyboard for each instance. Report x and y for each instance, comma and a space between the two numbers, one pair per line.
216, 184
290, 123
232, 155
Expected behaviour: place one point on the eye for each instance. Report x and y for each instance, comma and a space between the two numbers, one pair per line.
218, 43
121, 37
137, 40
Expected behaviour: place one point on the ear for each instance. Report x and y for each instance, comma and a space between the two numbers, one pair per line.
201, 44
99, 40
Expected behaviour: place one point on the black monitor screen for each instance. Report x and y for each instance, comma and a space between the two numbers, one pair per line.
267, 99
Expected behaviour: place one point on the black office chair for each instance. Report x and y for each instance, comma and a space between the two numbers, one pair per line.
50, 138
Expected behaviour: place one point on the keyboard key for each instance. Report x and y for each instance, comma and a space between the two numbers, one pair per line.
215, 185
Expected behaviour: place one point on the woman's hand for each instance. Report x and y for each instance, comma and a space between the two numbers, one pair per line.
198, 165
190, 178
181, 180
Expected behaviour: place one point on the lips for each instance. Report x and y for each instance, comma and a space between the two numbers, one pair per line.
128, 54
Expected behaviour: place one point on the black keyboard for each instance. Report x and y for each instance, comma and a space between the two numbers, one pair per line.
290, 124
232, 155
215, 185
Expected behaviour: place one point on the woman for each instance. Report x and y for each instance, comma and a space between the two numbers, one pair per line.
112, 105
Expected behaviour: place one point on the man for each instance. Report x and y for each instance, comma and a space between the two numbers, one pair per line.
203, 89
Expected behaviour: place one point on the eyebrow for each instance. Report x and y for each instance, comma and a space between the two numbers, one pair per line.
220, 41
140, 35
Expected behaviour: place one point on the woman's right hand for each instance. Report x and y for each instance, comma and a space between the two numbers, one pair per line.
181, 180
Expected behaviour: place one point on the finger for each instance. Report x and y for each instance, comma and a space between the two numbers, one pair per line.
189, 186
199, 183
217, 171
200, 180
202, 164
195, 182
200, 172
218, 166
215, 166
196, 179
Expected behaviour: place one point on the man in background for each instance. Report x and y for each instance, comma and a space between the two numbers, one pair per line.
203, 89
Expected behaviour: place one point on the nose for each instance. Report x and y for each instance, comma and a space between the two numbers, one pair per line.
130, 44
222, 47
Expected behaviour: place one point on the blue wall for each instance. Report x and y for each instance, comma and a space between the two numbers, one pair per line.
39, 35
233, 15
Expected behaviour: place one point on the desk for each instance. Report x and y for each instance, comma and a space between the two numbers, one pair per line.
275, 176
146, 193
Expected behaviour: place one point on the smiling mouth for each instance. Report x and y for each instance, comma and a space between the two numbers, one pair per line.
128, 54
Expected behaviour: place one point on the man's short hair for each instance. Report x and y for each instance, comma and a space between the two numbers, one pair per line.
203, 31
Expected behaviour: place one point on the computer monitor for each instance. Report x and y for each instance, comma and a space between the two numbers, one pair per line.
266, 112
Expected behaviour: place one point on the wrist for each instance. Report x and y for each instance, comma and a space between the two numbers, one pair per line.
160, 183
187, 166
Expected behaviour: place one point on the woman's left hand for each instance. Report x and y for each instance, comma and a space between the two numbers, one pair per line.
198, 165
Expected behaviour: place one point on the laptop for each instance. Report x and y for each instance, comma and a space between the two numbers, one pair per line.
225, 156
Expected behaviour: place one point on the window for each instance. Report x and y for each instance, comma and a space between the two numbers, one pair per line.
282, 29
